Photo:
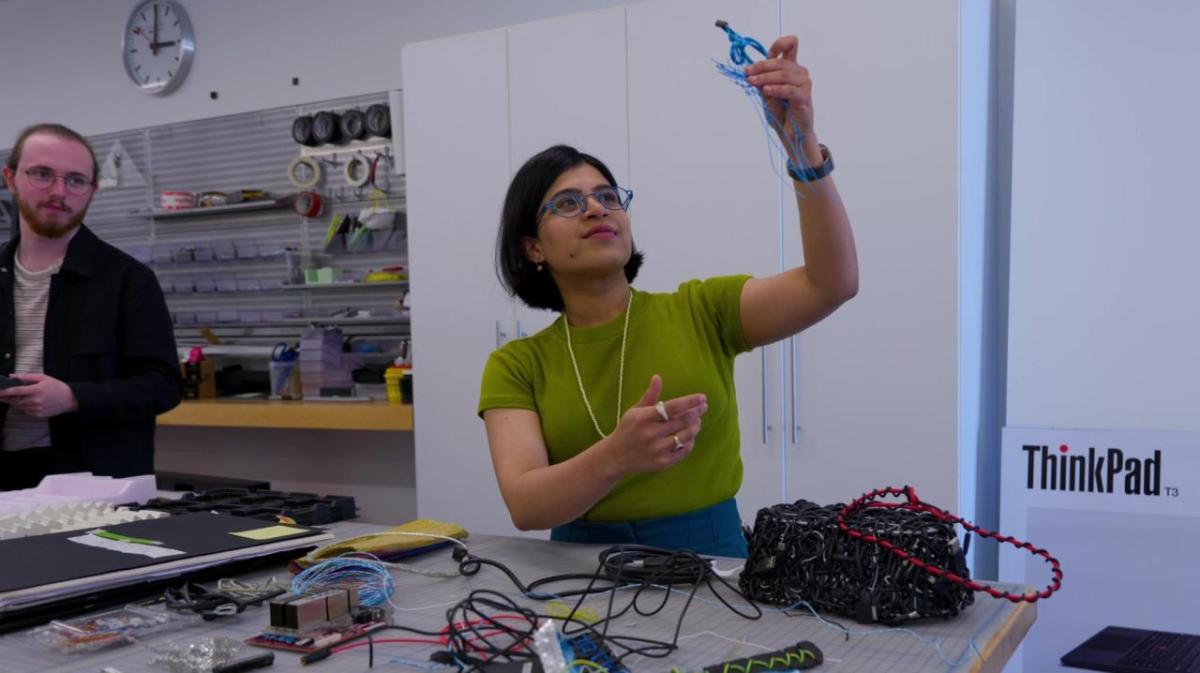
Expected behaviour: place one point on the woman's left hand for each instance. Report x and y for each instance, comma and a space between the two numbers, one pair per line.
786, 87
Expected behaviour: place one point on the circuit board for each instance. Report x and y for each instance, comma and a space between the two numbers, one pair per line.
314, 641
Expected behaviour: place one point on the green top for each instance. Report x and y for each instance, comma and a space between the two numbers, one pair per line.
689, 338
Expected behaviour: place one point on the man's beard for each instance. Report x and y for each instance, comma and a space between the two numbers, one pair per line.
46, 228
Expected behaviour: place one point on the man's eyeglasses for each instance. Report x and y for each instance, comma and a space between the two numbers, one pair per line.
43, 178
572, 204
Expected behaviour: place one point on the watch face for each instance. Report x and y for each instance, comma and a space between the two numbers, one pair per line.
158, 46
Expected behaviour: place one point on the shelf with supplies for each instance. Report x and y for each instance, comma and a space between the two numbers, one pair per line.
343, 286
290, 287
377, 145
300, 321
249, 255
298, 414
214, 211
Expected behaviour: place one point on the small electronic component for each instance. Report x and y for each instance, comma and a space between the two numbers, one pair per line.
317, 620
587, 648
114, 627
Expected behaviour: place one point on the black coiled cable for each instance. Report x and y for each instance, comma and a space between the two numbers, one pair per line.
798, 553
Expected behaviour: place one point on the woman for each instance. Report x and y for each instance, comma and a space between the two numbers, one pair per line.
577, 442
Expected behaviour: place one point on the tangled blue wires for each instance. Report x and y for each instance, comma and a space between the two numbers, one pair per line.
738, 45
366, 574
735, 72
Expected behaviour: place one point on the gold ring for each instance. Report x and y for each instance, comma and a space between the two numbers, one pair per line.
678, 444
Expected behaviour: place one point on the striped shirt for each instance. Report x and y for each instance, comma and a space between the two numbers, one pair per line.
31, 294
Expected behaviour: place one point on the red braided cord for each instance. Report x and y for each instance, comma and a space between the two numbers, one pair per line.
914, 504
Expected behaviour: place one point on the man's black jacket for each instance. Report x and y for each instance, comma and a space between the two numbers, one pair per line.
109, 337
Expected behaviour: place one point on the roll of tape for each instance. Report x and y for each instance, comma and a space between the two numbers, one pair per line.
358, 171
327, 127
314, 170
309, 204
379, 120
354, 125
302, 130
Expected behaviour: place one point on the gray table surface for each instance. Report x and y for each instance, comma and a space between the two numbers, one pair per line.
980, 639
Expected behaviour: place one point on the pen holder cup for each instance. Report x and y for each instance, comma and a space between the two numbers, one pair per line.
285, 380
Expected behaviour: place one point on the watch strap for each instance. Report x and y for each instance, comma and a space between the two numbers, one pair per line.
815, 172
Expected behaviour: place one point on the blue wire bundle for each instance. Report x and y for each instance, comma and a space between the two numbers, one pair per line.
734, 71
367, 575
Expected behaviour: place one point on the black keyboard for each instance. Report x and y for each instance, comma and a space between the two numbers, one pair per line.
1175, 652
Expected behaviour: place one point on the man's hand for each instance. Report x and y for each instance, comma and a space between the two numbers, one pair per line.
46, 397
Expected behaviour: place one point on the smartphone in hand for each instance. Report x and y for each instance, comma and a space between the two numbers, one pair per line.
9, 382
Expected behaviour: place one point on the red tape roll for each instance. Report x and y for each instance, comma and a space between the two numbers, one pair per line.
309, 204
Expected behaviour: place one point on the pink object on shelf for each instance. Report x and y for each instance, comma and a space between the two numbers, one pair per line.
80, 486
178, 200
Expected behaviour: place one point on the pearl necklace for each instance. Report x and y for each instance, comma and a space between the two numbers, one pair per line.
620, 373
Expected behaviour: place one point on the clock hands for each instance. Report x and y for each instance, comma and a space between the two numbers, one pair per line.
154, 45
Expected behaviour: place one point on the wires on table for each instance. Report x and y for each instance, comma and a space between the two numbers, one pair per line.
366, 574
230, 597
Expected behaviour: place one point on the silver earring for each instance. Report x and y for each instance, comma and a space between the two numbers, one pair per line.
539, 266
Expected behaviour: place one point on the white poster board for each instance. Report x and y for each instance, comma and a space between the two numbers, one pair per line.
1120, 510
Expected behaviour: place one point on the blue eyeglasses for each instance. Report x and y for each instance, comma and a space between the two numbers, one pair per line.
573, 204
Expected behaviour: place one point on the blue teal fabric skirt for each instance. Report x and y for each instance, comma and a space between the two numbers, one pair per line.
713, 531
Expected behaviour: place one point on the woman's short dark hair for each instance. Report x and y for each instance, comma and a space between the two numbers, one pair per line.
517, 273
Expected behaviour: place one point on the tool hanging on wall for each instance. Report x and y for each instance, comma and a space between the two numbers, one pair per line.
302, 130
379, 120
354, 125
309, 204
304, 173
358, 171
327, 127
119, 170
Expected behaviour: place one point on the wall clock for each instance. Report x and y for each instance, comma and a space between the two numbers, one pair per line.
158, 46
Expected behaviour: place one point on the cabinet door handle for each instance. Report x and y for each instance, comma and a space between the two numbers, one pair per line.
520, 332
501, 335
795, 419
763, 351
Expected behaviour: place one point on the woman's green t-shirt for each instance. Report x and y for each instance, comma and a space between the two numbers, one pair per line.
689, 338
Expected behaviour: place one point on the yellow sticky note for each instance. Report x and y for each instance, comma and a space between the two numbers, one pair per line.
268, 533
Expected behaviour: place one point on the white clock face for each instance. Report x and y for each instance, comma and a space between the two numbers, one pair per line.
158, 46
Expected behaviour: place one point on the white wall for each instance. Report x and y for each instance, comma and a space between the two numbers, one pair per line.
60, 60
1103, 322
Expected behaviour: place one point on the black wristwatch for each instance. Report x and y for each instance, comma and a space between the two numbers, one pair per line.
814, 173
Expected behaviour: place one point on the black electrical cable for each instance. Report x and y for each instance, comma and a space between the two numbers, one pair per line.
799, 554
469, 564
638, 567
354, 125
326, 127
379, 120
302, 130
211, 604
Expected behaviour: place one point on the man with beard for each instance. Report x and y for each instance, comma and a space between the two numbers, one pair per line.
84, 329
